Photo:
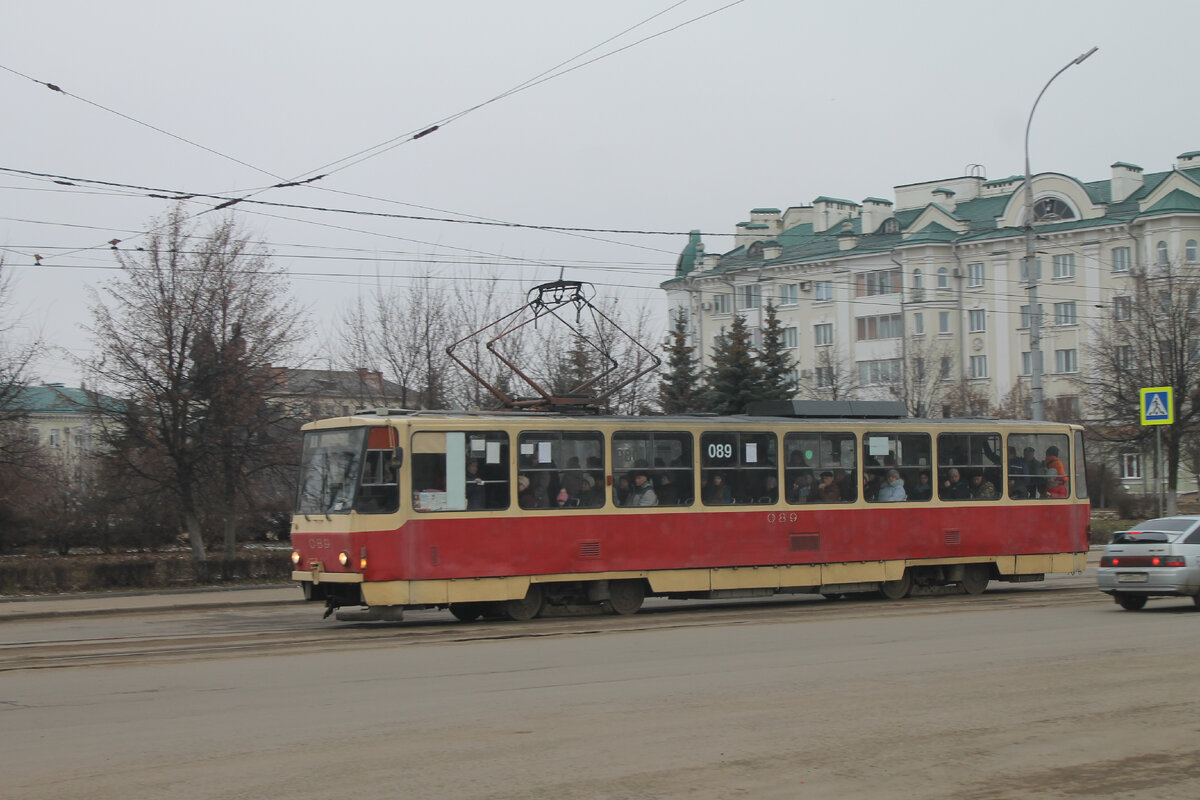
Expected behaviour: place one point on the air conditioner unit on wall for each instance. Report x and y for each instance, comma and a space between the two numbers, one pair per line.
805, 286
706, 306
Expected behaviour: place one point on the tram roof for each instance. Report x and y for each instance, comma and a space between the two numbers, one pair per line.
760, 413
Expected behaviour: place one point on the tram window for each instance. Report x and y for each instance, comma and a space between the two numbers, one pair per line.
1080, 468
667, 458
1039, 466
460, 470
378, 490
906, 453
329, 466
970, 466
739, 468
565, 468
820, 468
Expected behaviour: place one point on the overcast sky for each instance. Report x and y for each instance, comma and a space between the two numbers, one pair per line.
759, 103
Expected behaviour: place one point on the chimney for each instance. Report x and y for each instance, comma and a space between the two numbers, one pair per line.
1189, 160
1126, 179
874, 211
846, 238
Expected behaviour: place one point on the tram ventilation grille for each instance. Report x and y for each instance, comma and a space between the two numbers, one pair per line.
952, 537
806, 541
589, 549
433, 555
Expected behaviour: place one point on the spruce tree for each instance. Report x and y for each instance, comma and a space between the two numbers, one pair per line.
679, 388
735, 378
778, 368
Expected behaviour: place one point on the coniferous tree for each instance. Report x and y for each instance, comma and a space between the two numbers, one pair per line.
679, 388
778, 368
735, 376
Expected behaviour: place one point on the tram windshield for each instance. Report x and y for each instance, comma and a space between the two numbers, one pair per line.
330, 465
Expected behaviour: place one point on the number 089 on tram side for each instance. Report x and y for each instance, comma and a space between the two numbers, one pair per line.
506, 514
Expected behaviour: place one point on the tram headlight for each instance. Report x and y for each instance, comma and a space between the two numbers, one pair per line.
344, 558
295, 558
362, 559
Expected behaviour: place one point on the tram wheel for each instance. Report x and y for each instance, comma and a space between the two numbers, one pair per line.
1196, 600
526, 608
1132, 602
897, 590
975, 578
625, 597
467, 612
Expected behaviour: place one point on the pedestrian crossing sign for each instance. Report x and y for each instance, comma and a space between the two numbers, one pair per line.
1157, 406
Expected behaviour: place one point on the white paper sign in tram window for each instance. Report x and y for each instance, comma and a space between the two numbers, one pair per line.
477, 445
877, 445
545, 454
751, 452
493, 452
526, 448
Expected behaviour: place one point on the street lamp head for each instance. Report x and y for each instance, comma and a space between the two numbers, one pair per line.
1084, 57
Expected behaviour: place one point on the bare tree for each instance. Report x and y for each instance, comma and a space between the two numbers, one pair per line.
17, 357
1150, 338
186, 335
833, 377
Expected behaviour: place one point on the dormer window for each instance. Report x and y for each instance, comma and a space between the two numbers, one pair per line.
1051, 209
891, 226
755, 250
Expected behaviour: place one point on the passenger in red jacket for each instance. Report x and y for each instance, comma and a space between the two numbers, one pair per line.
1056, 474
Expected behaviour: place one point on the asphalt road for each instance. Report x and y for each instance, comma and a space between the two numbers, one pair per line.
1047, 691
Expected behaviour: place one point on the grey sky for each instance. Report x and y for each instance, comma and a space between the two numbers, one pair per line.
766, 103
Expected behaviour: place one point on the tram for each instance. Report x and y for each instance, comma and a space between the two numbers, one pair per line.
510, 513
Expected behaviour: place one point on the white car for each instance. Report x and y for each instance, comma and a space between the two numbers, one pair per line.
1158, 558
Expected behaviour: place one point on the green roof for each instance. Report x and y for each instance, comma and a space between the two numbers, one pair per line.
1129, 166
54, 398
879, 200
1176, 200
824, 199
1009, 179
1189, 154
764, 211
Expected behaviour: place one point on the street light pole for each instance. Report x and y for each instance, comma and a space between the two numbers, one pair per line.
1035, 318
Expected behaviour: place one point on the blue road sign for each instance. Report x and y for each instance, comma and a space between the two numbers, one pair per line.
1158, 407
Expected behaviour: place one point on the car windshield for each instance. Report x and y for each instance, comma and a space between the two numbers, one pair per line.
1166, 529
1143, 537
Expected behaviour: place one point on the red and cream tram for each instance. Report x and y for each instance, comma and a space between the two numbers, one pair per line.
506, 513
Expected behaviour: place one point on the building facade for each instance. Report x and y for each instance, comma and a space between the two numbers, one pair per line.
925, 297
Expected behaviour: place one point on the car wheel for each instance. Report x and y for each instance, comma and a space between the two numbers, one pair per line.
1132, 602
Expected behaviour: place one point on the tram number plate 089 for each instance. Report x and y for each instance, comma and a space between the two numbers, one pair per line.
1132, 577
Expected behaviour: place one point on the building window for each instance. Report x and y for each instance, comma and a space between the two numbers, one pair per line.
918, 286
825, 377
1025, 316
721, 304
1124, 356
1163, 257
943, 278
885, 326
1037, 270
919, 369
749, 296
1131, 466
823, 290
789, 294
1064, 314
1027, 363
919, 323
947, 368
1122, 309
975, 275
1190, 252
977, 320
1120, 259
823, 334
888, 370
943, 322
791, 337
54, 440
1064, 265
885, 281
1066, 361
979, 367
